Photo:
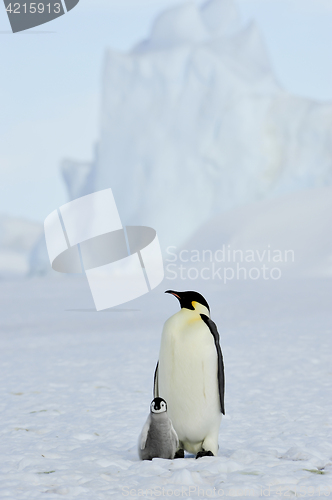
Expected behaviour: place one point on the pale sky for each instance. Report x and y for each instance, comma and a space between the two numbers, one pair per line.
51, 78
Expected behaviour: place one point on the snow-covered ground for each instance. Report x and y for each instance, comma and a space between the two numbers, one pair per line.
76, 387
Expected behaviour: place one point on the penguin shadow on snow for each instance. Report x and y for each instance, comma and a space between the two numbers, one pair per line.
189, 386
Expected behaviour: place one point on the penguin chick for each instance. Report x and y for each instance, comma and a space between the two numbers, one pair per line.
190, 375
158, 438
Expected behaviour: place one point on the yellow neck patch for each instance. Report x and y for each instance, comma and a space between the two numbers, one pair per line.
200, 309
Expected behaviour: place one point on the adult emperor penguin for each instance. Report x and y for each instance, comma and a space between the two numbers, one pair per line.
190, 375
158, 438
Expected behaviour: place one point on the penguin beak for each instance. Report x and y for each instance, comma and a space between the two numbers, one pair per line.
176, 294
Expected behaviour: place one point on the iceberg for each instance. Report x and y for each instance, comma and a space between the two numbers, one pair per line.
194, 123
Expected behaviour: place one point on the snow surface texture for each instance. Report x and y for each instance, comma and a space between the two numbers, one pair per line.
77, 384
194, 123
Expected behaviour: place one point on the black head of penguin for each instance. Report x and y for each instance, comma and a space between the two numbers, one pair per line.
158, 405
186, 299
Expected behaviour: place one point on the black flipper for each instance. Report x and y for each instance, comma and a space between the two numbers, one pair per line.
221, 375
155, 383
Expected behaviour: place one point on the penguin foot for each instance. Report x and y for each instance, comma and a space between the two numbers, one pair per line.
204, 453
179, 453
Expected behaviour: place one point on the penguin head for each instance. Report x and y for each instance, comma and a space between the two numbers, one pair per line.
158, 405
192, 300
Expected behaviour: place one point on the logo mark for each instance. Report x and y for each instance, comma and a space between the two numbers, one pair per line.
24, 15
120, 263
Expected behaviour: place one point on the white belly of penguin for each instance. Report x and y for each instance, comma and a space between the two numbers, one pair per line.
188, 380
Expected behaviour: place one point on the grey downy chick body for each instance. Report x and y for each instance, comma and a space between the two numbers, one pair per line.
158, 438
